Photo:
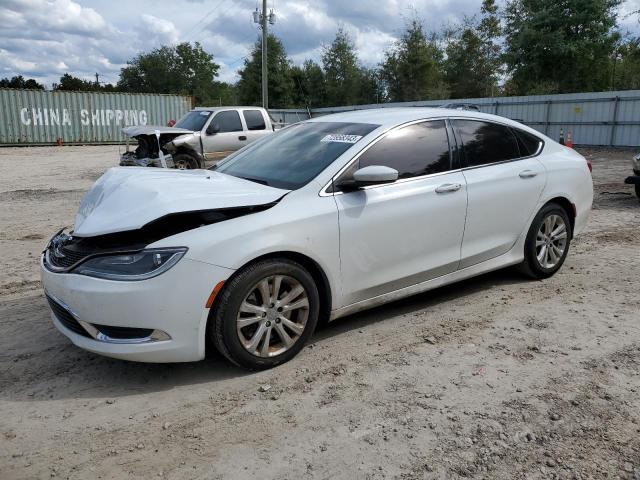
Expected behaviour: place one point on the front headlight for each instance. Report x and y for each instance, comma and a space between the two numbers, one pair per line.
131, 266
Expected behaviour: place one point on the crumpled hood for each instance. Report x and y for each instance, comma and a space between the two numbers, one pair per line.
136, 130
127, 198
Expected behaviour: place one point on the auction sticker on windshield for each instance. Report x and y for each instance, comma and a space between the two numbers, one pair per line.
341, 138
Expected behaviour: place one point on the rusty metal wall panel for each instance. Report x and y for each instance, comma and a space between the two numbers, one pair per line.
36, 117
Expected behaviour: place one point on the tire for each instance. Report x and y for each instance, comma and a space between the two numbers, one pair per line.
543, 261
637, 185
243, 290
184, 161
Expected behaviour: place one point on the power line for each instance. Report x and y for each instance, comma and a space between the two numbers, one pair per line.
203, 19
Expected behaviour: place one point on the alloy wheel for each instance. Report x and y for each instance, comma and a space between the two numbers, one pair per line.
273, 316
551, 241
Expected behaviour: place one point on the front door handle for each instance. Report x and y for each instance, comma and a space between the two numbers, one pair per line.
528, 174
242, 137
448, 187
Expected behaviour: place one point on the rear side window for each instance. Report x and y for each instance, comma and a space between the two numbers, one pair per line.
486, 142
228, 121
419, 149
529, 144
254, 119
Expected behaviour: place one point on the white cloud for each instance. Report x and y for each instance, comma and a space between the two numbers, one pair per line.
45, 38
159, 30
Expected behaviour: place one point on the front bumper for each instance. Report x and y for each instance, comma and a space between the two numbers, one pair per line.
171, 307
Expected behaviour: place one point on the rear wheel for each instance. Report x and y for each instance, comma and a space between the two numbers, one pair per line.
547, 243
184, 161
265, 314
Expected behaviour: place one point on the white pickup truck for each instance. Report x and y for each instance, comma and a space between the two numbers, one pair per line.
202, 134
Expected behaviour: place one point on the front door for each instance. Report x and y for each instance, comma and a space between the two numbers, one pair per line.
397, 235
227, 136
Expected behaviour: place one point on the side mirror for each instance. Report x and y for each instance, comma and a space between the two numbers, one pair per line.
371, 175
213, 128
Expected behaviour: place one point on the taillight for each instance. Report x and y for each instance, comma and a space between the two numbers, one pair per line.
589, 164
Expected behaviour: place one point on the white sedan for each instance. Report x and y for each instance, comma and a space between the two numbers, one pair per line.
320, 220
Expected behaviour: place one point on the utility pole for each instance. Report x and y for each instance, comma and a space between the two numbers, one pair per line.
97, 79
263, 18
265, 80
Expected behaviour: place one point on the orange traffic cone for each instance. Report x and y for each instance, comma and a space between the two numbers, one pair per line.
569, 142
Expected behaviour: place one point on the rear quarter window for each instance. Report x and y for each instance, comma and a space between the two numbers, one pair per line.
529, 144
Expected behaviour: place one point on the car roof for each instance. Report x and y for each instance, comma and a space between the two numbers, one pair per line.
212, 109
388, 117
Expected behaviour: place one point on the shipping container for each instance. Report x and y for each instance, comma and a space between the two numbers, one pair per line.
37, 117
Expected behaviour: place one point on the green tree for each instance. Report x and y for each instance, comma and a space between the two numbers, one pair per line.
625, 65
183, 69
341, 70
412, 69
473, 62
74, 84
309, 89
19, 81
278, 66
371, 87
559, 46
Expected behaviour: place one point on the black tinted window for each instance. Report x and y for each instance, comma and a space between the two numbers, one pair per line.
254, 119
486, 142
228, 121
419, 149
529, 144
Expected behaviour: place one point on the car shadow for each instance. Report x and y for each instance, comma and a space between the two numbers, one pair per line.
57, 369
422, 301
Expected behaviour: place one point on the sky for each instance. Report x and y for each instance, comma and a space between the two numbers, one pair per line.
44, 39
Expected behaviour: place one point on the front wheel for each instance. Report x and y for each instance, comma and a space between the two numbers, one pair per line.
265, 314
547, 243
184, 161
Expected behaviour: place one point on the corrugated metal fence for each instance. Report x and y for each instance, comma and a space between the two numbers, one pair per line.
595, 118
35, 117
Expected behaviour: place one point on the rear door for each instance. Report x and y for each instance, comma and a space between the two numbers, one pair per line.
504, 183
256, 124
400, 234
230, 135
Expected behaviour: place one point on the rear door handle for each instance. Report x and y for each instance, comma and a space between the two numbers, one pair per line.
528, 174
448, 187
242, 137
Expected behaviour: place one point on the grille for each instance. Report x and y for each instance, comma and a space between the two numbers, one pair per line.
71, 257
65, 317
124, 333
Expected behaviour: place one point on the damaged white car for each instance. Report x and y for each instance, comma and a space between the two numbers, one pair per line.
202, 134
319, 220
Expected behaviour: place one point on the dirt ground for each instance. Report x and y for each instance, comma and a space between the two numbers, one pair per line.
496, 377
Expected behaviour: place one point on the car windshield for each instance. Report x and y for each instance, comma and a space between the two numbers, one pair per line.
194, 120
292, 157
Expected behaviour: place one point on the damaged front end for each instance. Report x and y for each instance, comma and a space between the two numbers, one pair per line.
166, 147
127, 251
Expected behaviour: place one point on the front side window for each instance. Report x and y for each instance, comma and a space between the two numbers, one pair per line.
227, 121
292, 157
415, 150
486, 142
194, 120
254, 119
